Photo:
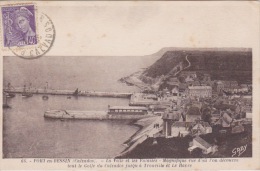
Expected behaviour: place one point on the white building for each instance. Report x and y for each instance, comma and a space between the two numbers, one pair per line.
198, 142
180, 129
201, 128
200, 91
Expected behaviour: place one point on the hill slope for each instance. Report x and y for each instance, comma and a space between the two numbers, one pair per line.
220, 63
203, 60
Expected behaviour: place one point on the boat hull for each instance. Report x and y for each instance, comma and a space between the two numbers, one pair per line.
10, 95
27, 95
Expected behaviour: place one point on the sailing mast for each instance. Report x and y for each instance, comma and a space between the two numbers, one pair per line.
8, 94
45, 96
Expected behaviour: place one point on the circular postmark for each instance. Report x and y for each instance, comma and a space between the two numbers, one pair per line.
42, 42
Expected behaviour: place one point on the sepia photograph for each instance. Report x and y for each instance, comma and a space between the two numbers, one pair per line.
130, 85
175, 103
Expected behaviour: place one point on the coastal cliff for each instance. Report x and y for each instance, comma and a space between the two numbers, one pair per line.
210, 60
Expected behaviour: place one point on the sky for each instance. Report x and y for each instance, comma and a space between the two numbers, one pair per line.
143, 28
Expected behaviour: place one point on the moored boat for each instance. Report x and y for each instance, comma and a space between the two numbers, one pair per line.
10, 95
27, 93
5, 102
7, 93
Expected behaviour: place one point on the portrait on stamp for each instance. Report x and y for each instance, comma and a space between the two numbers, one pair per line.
19, 26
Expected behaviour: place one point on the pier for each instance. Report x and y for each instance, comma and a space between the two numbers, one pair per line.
92, 115
69, 92
140, 99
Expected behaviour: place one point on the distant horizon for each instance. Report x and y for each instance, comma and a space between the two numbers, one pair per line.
162, 50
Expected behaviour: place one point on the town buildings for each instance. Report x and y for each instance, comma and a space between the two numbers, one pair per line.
225, 120
200, 91
200, 143
173, 83
169, 118
198, 105
201, 128
193, 114
218, 86
180, 129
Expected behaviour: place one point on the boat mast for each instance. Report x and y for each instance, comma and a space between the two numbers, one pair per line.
46, 87
45, 96
30, 85
9, 86
24, 88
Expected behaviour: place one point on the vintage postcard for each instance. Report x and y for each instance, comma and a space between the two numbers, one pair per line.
130, 85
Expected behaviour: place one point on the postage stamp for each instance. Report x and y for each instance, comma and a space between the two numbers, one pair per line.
19, 25
26, 33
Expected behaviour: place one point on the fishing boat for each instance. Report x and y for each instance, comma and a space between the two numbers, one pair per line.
5, 103
6, 106
45, 97
76, 92
10, 95
26, 93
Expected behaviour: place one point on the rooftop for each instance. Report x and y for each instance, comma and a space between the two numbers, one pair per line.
128, 107
200, 87
202, 142
173, 116
227, 118
193, 111
182, 124
225, 106
202, 124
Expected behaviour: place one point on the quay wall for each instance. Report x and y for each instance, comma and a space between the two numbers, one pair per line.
71, 93
147, 103
91, 115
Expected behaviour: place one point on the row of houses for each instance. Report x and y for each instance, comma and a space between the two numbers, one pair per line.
231, 86
175, 126
206, 87
183, 128
178, 124
200, 91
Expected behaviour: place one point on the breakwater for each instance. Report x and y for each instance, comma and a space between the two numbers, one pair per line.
91, 115
70, 92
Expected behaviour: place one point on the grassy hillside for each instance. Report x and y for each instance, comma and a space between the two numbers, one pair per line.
220, 63
165, 64
221, 60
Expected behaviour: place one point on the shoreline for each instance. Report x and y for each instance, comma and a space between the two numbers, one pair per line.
134, 123
133, 80
145, 131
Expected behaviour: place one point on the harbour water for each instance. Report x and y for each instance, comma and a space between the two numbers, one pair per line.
26, 133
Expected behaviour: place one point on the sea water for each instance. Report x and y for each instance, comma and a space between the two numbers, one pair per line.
26, 133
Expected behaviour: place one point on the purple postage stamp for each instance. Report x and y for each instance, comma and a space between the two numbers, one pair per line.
19, 25
26, 32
